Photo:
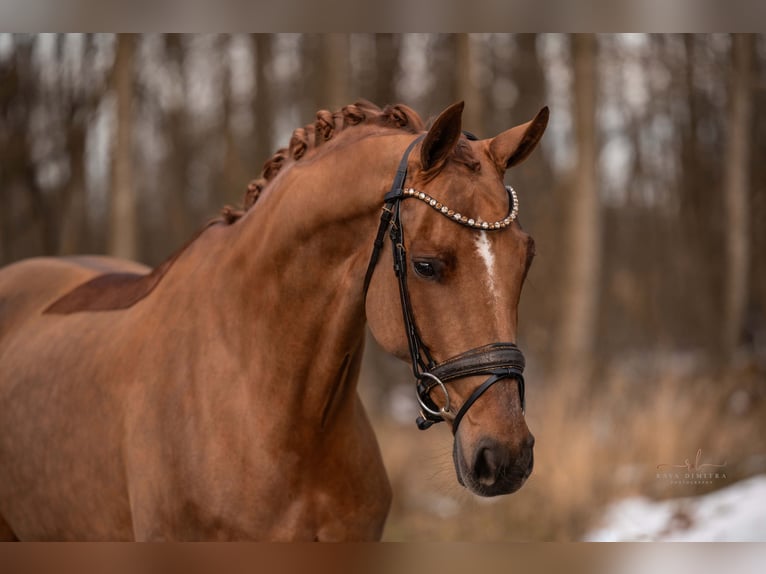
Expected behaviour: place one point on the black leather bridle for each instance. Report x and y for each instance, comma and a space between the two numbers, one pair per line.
498, 360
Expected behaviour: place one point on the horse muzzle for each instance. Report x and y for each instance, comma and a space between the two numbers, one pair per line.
486, 464
492, 468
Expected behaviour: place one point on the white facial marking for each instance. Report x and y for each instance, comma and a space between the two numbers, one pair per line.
484, 248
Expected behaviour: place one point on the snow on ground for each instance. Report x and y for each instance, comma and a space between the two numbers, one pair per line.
736, 513
685, 558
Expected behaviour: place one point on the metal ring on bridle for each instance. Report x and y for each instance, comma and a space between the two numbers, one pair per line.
444, 411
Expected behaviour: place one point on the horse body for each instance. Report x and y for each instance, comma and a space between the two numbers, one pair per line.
221, 401
169, 406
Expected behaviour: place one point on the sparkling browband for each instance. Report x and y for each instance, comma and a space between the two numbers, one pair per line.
477, 223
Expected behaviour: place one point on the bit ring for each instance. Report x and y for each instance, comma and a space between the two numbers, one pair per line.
443, 412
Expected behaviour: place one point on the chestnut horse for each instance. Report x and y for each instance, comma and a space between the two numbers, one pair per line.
215, 397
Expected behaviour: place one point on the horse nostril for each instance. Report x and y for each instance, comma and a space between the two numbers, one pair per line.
485, 467
529, 442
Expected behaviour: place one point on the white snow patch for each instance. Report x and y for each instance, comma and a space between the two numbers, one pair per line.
688, 558
736, 513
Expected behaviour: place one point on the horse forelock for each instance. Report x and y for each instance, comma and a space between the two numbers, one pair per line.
328, 125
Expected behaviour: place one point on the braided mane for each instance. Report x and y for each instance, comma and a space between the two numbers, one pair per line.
123, 290
327, 125
311, 136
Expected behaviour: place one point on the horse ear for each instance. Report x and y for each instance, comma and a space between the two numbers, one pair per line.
442, 137
514, 145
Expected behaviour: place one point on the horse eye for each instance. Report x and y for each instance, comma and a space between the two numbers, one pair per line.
425, 269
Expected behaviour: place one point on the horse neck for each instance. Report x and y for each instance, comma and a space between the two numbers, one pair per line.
294, 274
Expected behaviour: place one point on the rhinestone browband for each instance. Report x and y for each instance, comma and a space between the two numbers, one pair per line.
477, 223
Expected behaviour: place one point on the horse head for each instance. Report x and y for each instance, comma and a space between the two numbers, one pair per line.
449, 304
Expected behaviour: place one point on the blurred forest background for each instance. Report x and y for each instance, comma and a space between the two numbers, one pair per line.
644, 315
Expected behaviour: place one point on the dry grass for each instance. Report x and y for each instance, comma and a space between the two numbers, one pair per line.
592, 448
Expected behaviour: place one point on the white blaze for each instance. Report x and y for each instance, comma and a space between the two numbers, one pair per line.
484, 248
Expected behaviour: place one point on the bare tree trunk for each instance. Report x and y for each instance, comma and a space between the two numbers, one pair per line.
387, 49
442, 55
233, 177
336, 71
467, 86
583, 227
72, 233
79, 110
309, 82
184, 143
736, 193
528, 75
122, 233
261, 103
